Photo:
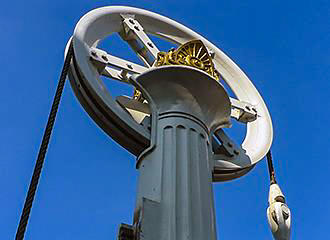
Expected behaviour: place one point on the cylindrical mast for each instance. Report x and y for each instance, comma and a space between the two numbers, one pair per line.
175, 196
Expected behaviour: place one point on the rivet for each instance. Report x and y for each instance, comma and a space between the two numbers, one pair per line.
104, 58
212, 54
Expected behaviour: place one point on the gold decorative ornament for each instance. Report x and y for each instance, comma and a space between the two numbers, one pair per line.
192, 53
138, 95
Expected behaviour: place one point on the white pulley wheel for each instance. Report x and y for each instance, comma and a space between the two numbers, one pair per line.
90, 63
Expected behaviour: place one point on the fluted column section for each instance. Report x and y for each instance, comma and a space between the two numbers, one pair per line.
181, 192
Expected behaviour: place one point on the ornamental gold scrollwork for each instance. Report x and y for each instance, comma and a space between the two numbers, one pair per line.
193, 53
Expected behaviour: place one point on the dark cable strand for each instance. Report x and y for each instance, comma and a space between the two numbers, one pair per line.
271, 168
43, 148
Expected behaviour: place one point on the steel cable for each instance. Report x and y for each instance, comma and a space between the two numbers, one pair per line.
43, 148
271, 167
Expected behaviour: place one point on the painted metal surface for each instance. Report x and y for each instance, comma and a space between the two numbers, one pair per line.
175, 196
118, 122
278, 214
176, 128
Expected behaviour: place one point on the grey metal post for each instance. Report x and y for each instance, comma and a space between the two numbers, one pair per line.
175, 195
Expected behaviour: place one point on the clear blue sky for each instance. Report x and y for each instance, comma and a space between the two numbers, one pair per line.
88, 184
